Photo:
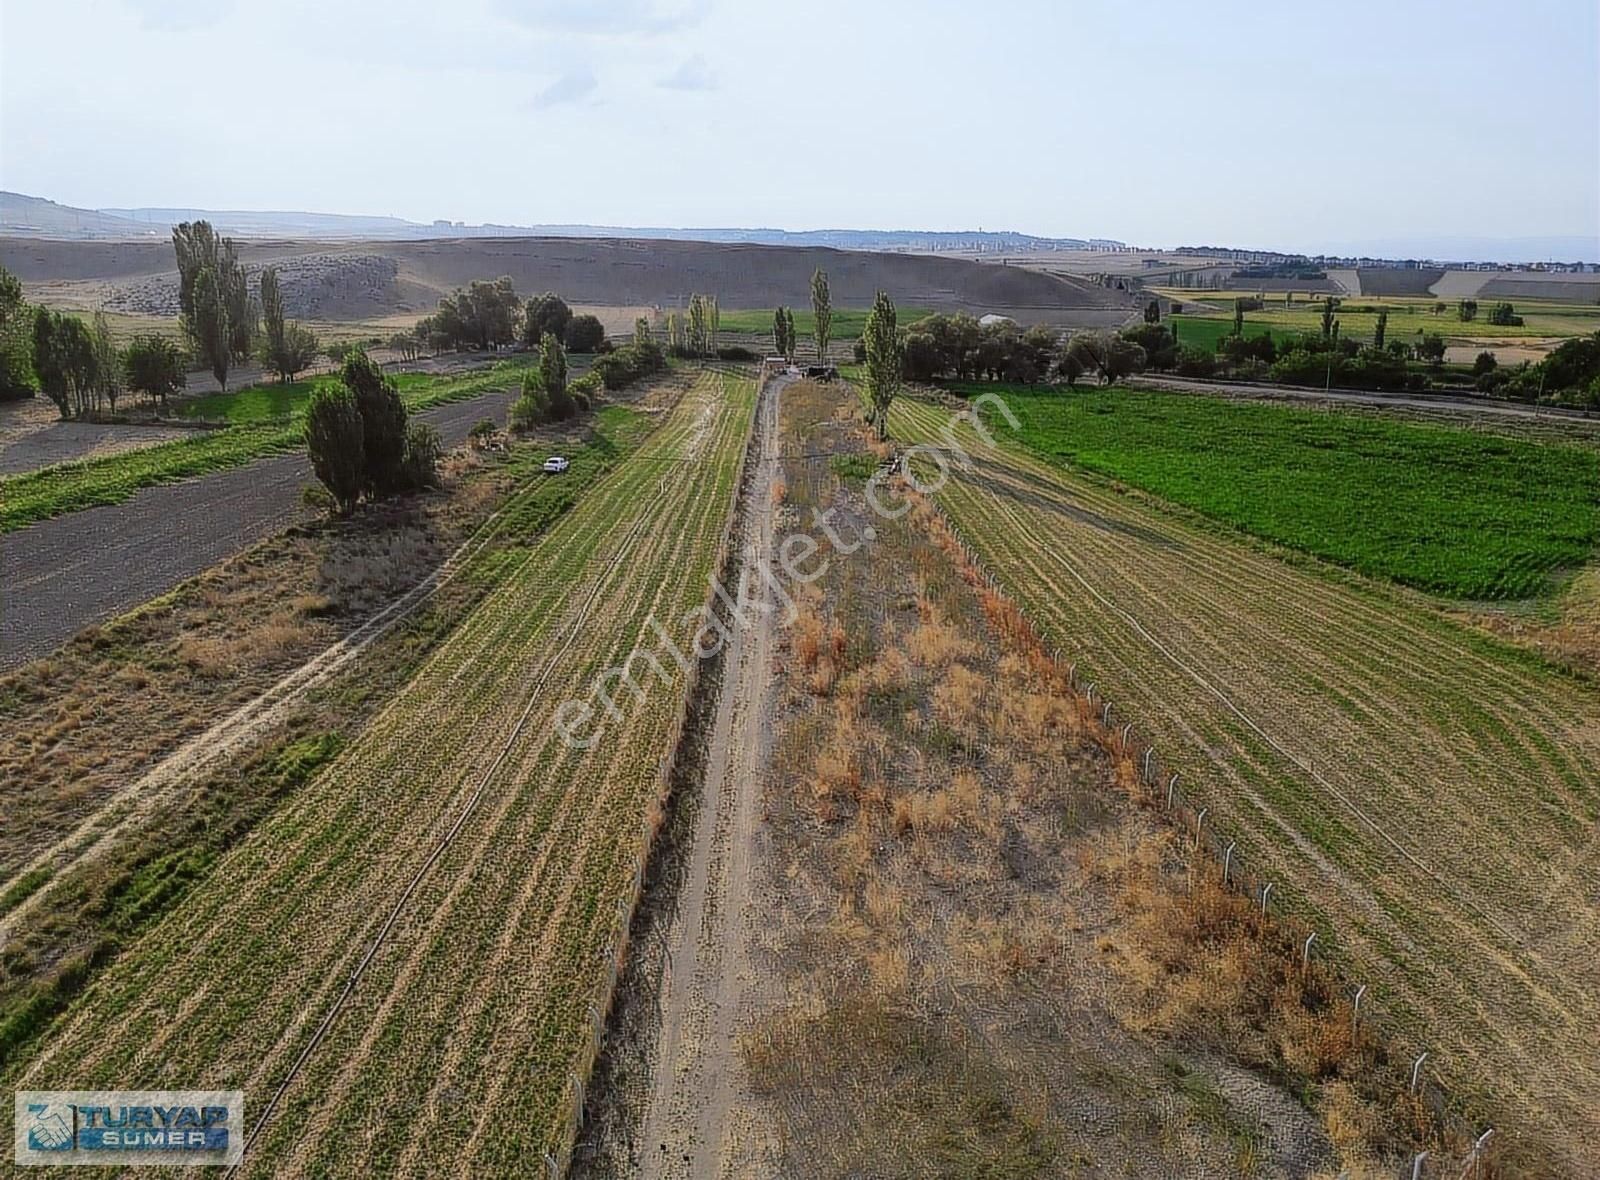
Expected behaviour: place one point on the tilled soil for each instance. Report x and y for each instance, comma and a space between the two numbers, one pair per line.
60, 575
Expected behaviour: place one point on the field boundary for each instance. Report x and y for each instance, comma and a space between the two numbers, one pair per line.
558, 1163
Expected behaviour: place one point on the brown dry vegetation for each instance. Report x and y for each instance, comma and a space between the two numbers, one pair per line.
986, 956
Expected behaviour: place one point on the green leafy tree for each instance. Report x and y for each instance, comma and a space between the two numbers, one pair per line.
207, 327
1467, 309
532, 408
780, 333
64, 360
16, 340
586, 334
335, 436
881, 336
214, 303
642, 335
287, 348
1238, 317
420, 467
553, 377
546, 315
1431, 349
1381, 330
154, 367
1152, 312
383, 423
822, 310
1329, 306
108, 375
1484, 362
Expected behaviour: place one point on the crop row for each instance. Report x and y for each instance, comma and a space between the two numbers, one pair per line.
471, 1009
1421, 793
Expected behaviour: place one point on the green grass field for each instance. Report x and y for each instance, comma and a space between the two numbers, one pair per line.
1358, 316
263, 420
847, 324
1451, 512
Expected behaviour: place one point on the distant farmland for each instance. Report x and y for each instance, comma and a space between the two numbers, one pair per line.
1358, 319
1452, 512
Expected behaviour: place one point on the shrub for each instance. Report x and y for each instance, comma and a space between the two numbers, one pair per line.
532, 408
154, 366
1483, 363
420, 465
1195, 362
859, 352
736, 352
334, 438
586, 334
383, 420
626, 365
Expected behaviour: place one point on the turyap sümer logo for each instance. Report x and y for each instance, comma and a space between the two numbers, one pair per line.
124, 1127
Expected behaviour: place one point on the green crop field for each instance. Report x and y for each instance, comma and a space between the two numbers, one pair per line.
1422, 795
1358, 318
1452, 512
433, 921
847, 322
263, 420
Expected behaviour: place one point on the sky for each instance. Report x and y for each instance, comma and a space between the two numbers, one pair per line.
1304, 127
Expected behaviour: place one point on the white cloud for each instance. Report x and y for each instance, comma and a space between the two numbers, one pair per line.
573, 86
692, 74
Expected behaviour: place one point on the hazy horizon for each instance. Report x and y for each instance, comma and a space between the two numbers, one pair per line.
1160, 126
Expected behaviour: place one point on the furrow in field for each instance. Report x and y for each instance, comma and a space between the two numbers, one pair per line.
1428, 793
499, 945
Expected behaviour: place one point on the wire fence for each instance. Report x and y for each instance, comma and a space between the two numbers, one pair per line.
1310, 950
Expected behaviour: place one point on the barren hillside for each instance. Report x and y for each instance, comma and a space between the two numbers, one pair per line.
354, 280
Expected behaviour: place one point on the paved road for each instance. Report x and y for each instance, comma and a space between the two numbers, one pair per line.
1439, 401
61, 575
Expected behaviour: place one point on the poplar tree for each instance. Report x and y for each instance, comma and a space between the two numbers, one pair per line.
882, 339
822, 309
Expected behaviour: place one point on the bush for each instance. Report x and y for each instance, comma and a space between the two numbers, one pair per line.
420, 464
532, 408
1483, 363
736, 352
1195, 362
859, 352
586, 334
334, 437
618, 369
383, 420
483, 428
1159, 344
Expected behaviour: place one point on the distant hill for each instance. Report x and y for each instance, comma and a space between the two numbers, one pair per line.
37, 217
355, 280
32, 216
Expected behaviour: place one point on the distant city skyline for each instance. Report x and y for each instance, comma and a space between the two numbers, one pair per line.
1401, 128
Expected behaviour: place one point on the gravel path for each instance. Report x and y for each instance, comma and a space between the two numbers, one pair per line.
61, 575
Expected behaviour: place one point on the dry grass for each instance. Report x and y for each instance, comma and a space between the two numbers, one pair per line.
975, 932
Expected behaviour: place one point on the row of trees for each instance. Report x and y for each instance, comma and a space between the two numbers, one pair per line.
958, 346
360, 438
489, 315
697, 331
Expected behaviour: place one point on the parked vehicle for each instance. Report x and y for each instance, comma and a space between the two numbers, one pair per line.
555, 464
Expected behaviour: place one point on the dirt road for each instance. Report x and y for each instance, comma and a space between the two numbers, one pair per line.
1438, 402
686, 1131
62, 575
